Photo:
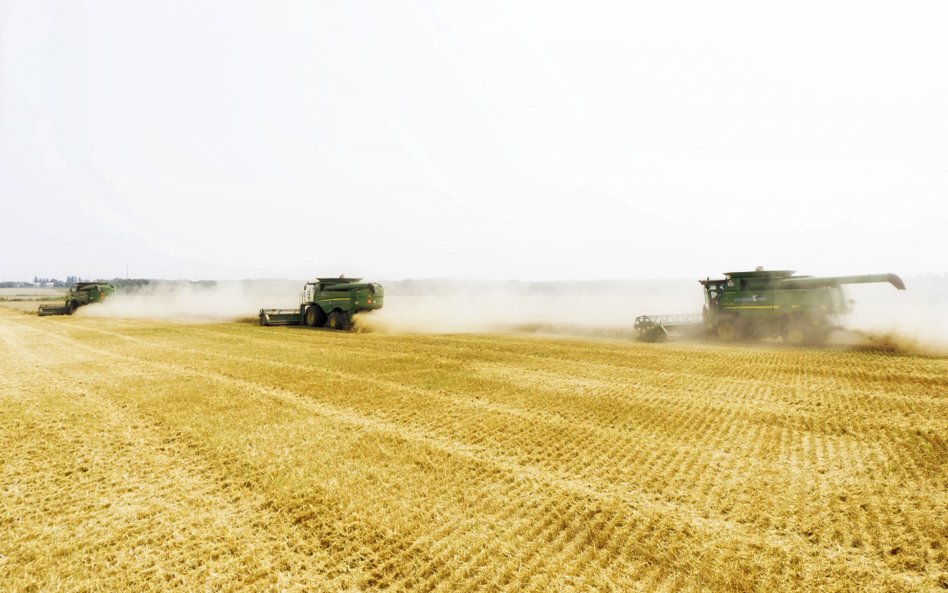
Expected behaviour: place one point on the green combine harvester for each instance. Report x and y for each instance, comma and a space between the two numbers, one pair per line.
79, 295
802, 310
330, 302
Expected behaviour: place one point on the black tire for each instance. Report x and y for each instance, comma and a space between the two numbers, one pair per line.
71, 307
804, 332
727, 329
314, 316
337, 320
821, 332
798, 333
820, 336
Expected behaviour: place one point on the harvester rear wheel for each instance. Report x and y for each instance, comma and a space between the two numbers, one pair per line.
337, 320
314, 316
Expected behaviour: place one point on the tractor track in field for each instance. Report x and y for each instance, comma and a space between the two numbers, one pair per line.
354, 418
910, 419
537, 414
872, 394
526, 413
621, 511
686, 416
302, 518
171, 484
357, 421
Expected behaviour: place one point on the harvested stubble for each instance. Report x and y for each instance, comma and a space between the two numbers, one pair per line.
155, 456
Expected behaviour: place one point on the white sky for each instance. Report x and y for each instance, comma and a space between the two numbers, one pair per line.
487, 139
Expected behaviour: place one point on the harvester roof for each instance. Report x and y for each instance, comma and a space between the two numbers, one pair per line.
340, 283
338, 280
761, 274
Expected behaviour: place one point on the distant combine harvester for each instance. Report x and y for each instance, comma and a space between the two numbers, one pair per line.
79, 295
802, 310
330, 302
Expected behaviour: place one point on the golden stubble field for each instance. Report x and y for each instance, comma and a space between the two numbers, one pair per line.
150, 456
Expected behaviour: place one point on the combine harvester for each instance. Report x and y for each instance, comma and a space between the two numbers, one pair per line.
328, 301
80, 294
764, 304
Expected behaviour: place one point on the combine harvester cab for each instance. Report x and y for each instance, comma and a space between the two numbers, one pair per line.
79, 295
802, 310
330, 302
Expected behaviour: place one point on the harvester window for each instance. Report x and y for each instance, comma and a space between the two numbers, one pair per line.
714, 295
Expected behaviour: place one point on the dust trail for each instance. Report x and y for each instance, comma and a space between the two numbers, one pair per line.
197, 302
887, 343
606, 308
910, 321
915, 320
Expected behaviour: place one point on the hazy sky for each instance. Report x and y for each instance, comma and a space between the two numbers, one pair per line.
471, 139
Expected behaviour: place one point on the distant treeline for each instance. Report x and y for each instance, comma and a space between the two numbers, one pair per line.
117, 282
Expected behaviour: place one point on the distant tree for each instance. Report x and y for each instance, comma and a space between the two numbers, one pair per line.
130, 282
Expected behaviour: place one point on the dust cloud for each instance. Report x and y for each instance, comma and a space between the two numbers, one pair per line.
606, 308
884, 319
197, 302
425, 306
914, 320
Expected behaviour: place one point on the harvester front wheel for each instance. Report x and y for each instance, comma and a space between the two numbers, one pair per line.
821, 335
337, 320
727, 330
71, 307
797, 333
315, 317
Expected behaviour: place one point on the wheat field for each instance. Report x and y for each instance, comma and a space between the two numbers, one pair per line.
154, 456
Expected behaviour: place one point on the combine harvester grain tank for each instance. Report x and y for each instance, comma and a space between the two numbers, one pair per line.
764, 304
330, 302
